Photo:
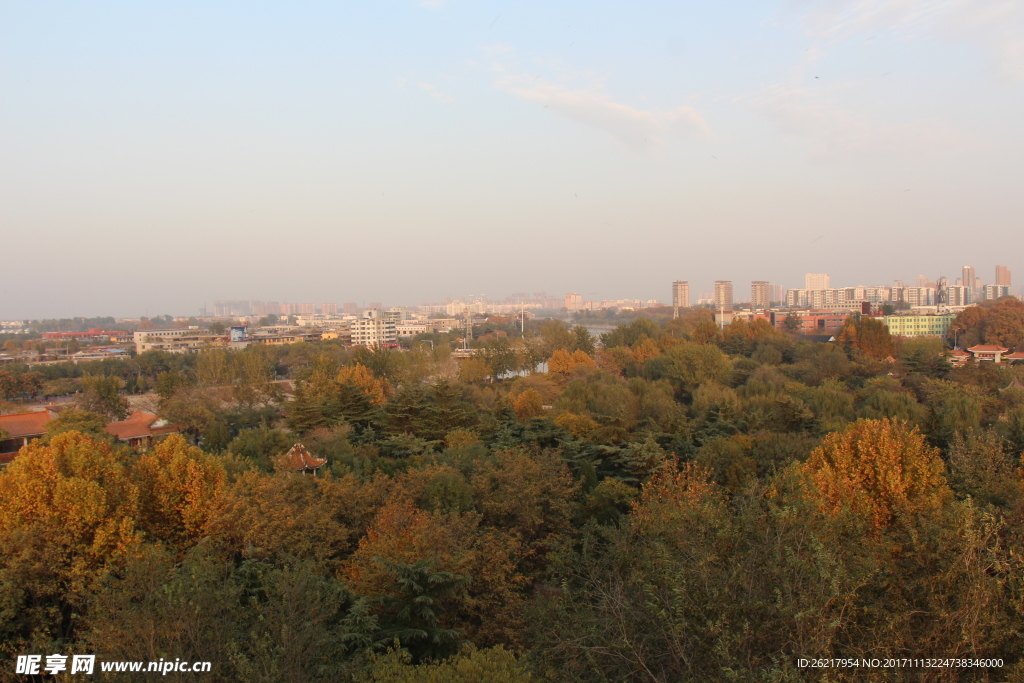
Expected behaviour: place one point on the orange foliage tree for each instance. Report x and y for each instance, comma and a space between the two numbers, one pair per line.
879, 470
177, 486
268, 516
564, 363
561, 362
378, 389
528, 404
869, 336
68, 514
645, 349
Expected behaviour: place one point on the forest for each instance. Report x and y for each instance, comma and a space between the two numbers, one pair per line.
671, 502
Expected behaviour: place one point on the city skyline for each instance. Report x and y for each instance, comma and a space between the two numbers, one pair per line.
1002, 276
287, 153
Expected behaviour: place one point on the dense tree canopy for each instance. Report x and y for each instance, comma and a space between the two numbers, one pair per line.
677, 502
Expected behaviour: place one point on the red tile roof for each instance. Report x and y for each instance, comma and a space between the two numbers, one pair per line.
26, 424
987, 347
1015, 355
139, 425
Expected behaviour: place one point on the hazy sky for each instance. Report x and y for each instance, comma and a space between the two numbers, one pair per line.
154, 156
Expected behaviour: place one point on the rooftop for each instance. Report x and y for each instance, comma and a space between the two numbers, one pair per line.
26, 424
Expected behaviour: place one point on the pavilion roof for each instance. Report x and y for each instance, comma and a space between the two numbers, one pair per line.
299, 459
1015, 383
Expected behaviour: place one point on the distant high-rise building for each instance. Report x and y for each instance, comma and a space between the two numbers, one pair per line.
989, 292
349, 308
817, 281
760, 294
329, 309
958, 295
1003, 276
680, 296
723, 294
968, 278
307, 309
375, 305
922, 280
777, 293
573, 302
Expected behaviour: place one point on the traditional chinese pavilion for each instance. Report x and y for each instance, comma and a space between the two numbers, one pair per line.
989, 352
299, 459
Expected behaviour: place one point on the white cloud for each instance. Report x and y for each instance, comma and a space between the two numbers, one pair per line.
635, 128
838, 134
997, 26
435, 93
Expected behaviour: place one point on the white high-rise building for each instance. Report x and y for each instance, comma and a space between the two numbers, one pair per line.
760, 294
817, 281
723, 294
969, 280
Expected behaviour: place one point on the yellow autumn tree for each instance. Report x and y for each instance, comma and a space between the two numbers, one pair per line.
582, 359
563, 363
267, 516
67, 517
879, 470
581, 426
528, 404
645, 349
178, 484
560, 362
376, 388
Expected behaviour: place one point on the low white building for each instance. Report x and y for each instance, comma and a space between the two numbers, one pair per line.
373, 331
174, 341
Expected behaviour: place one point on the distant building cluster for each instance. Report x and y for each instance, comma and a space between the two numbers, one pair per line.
925, 309
235, 309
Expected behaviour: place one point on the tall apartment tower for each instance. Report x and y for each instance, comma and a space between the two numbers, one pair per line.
1003, 276
680, 296
969, 283
723, 294
817, 281
573, 302
760, 294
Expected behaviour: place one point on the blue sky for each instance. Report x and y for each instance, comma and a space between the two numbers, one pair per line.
156, 156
